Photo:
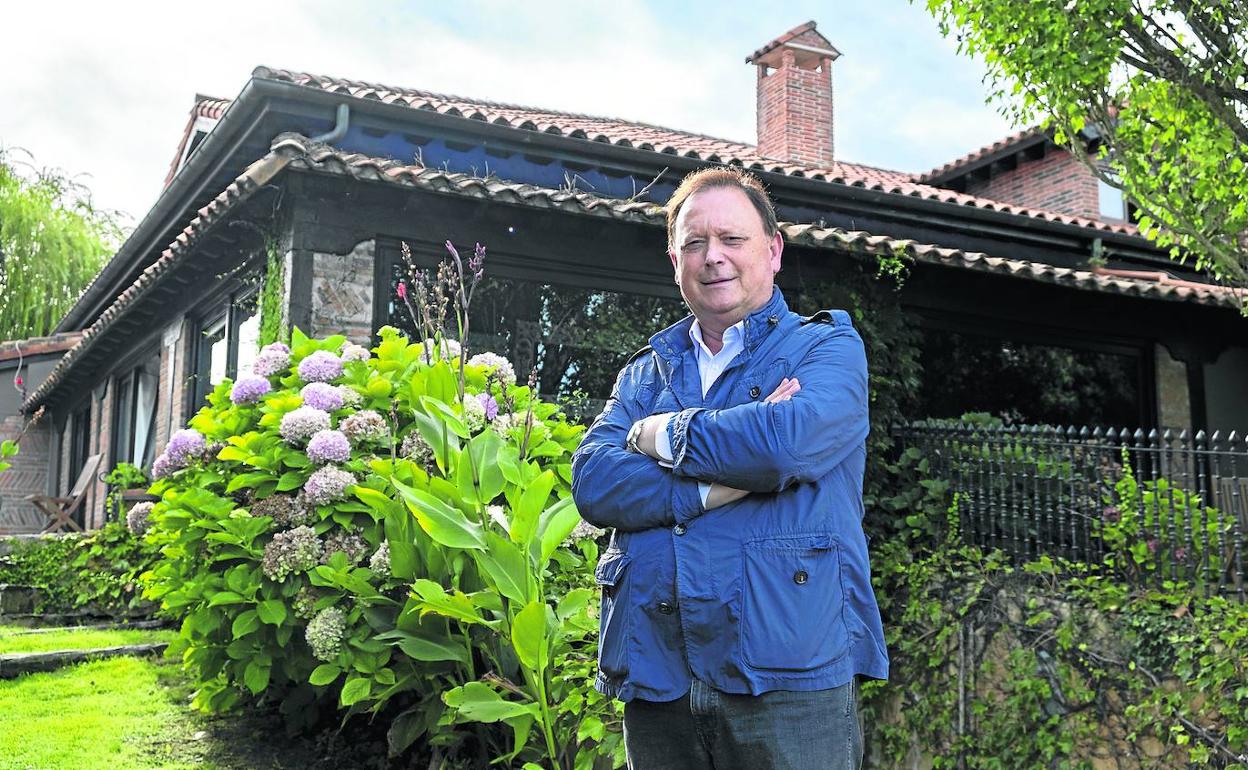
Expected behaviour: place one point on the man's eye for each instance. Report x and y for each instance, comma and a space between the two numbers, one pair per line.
734, 239
694, 244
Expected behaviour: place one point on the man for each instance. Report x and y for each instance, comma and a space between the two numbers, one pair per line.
737, 607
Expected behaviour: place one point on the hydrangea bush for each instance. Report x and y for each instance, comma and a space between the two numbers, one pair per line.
392, 529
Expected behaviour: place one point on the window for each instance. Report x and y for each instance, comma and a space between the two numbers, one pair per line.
79, 442
1113, 206
135, 413
226, 345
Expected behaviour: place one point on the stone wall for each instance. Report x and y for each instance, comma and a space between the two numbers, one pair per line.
29, 475
1174, 408
342, 293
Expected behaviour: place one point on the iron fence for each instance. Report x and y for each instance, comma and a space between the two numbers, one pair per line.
1153, 507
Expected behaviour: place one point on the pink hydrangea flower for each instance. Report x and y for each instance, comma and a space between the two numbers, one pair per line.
320, 366
249, 389
329, 446
323, 396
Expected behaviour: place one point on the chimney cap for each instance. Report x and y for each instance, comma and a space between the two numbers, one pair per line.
810, 47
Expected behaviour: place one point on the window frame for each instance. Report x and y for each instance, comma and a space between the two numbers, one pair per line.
227, 308
125, 407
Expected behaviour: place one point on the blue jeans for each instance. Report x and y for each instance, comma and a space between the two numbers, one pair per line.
711, 730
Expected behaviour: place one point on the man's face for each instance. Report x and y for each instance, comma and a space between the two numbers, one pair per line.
725, 263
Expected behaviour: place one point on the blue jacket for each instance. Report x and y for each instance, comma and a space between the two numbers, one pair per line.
772, 592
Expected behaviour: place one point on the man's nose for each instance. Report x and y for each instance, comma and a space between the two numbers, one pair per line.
715, 252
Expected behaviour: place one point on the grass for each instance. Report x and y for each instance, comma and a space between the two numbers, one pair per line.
134, 714
15, 639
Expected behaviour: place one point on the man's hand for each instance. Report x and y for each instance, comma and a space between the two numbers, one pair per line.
646, 440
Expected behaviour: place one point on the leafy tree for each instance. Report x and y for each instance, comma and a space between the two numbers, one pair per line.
52, 243
1162, 84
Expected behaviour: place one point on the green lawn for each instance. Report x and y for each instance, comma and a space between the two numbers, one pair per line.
15, 639
133, 713
117, 713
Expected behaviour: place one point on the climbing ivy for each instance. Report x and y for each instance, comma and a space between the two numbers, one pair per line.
272, 294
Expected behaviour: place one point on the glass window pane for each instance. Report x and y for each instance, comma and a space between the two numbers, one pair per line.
144, 413
1111, 201
123, 420
248, 343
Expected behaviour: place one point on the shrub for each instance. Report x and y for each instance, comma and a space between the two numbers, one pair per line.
403, 550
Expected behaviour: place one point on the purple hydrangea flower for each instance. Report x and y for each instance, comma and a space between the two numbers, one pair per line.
364, 425
329, 446
320, 395
327, 484
354, 352
249, 389
302, 423
272, 359
491, 406
137, 517
291, 551
493, 362
161, 467
320, 366
184, 446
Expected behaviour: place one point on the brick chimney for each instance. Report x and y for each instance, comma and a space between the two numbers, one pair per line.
795, 96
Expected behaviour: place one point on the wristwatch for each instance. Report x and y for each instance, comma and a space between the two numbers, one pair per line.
634, 435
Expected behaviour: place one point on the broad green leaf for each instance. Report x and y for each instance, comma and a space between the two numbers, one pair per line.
424, 648
528, 509
373, 498
490, 481
556, 524
443, 411
324, 674
506, 566
445, 524
477, 702
401, 535
509, 463
435, 599
272, 611
246, 622
225, 597
256, 677
528, 635
355, 690
406, 728
290, 480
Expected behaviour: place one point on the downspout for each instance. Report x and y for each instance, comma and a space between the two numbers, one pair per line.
343, 121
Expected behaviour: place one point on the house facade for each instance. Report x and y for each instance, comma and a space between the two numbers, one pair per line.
289, 204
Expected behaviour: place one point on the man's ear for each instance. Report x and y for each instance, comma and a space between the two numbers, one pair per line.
776, 248
671, 253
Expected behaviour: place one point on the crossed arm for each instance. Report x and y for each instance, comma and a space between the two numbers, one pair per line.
796, 434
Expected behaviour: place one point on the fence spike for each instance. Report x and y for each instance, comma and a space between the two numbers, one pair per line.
1098, 433
1200, 436
1138, 436
1111, 435
1231, 439
1168, 436
1152, 435
1084, 433
1183, 436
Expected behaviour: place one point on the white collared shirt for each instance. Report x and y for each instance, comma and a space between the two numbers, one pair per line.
710, 367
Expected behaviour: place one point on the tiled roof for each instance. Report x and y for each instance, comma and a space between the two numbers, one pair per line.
205, 107
796, 32
986, 150
295, 151
627, 133
256, 176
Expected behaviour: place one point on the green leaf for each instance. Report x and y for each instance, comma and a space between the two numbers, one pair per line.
455, 605
446, 525
355, 690
324, 674
378, 501
401, 535
443, 411
405, 730
253, 479
245, 623
506, 567
272, 611
557, 522
424, 648
528, 635
256, 676
525, 514
484, 448
225, 597
477, 702
290, 480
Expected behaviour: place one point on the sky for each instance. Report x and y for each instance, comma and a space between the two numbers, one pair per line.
102, 91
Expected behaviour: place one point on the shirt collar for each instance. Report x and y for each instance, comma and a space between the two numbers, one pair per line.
673, 341
733, 336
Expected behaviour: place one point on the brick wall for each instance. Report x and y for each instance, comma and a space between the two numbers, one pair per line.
342, 293
1057, 182
171, 389
102, 429
29, 475
794, 111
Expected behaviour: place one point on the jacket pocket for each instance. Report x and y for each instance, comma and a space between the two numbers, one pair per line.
611, 574
793, 603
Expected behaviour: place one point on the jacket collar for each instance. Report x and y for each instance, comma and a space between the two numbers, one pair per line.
673, 342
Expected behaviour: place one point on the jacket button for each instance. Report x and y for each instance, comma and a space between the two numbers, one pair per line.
679, 529
772, 320
754, 391
665, 608
800, 577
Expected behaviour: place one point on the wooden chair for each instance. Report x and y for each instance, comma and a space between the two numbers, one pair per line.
60, 509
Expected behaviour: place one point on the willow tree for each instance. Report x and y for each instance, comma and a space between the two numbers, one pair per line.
1163, 86
52, 243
